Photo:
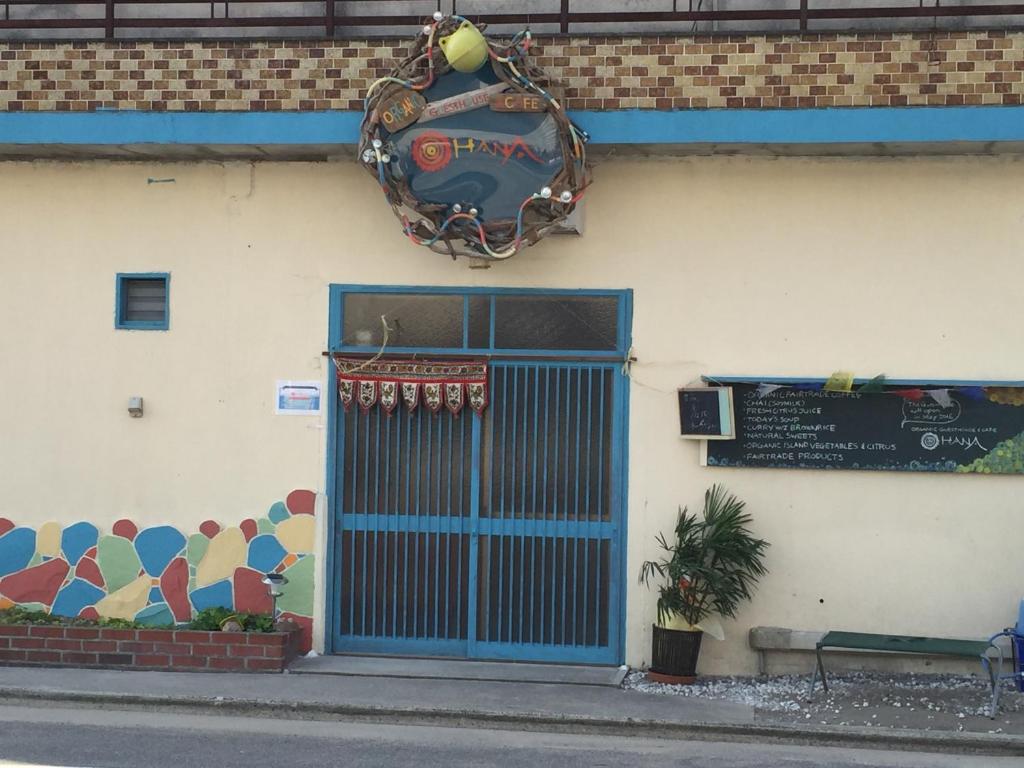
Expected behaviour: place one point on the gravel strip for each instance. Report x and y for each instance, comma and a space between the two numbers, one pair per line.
926, 702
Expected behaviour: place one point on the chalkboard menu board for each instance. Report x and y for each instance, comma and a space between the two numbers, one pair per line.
706, 413
792, 427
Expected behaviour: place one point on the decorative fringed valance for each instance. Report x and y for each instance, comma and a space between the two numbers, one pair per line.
438, 383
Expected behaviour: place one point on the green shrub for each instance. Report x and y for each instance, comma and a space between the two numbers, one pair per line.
18, 615
209, 620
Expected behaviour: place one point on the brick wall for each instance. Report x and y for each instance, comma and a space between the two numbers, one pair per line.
160, 649
941, 69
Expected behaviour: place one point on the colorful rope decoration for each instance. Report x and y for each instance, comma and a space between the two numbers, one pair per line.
448, 161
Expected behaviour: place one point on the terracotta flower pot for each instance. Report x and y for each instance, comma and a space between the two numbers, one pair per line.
674, 655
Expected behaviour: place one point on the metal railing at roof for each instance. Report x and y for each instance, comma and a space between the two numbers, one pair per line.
219, 19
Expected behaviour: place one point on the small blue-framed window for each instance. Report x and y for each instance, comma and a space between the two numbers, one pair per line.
142, 301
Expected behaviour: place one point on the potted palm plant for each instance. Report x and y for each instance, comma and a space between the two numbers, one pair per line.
710, 566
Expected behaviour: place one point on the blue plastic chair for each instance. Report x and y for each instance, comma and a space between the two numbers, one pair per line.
1016, 637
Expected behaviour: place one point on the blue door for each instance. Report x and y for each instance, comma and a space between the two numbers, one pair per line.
496, 536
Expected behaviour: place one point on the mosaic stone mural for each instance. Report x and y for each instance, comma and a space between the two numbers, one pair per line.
160, 575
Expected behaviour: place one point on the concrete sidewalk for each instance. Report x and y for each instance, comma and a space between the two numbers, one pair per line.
361, 694
563, 707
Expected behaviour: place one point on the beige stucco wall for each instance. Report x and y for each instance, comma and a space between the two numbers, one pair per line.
789, 267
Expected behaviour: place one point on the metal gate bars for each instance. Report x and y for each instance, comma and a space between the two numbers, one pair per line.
486, 537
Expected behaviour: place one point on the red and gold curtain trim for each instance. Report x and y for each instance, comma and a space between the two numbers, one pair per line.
435, 383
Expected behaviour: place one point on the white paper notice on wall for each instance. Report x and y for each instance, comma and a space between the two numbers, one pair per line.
297, 398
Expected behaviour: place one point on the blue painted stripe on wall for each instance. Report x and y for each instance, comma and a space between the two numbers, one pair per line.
806, 126
717, 126
183, 128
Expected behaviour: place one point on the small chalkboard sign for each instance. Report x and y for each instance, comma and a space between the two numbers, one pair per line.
705, 413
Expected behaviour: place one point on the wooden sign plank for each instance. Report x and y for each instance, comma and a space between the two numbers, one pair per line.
518, 102
463, 102
400, 110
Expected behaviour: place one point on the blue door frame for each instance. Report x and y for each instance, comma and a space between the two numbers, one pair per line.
501, 530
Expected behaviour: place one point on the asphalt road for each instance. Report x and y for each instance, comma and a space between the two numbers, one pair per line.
51, 736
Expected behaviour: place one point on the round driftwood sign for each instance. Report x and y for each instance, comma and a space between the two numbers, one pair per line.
474, 155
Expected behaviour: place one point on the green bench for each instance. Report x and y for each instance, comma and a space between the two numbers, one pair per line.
931, 646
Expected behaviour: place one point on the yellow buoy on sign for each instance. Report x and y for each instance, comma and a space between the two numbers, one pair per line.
465, 48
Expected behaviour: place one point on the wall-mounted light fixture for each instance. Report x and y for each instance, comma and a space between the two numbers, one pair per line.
135, 407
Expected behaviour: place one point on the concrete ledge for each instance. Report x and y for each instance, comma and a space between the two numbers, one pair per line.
448, 669
783, 639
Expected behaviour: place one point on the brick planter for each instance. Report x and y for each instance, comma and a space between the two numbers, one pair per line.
154, 649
